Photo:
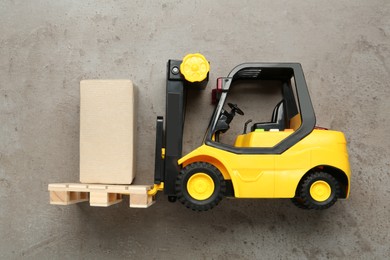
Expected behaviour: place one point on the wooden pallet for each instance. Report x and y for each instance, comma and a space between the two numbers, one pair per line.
100, 195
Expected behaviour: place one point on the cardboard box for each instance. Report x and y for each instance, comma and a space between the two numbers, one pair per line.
107, 130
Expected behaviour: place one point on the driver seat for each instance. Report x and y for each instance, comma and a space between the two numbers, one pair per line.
278, 119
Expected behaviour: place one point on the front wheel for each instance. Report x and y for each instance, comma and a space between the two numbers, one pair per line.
319, 190
200, 186
299, 203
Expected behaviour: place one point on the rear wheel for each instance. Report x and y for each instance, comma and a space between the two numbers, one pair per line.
200, 186
319, 190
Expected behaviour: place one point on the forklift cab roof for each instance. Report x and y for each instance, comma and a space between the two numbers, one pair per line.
284, 72
261, 73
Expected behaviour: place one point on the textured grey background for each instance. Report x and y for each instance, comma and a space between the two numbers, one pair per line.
47, 47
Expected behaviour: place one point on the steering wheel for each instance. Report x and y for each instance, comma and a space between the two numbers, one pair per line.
235, 108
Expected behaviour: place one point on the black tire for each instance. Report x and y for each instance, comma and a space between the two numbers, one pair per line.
307, 199
183, 194
172, 199
299, 203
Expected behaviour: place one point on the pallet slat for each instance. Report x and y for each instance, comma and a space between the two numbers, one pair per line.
100, 195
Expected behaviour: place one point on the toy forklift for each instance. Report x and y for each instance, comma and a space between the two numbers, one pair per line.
288, 157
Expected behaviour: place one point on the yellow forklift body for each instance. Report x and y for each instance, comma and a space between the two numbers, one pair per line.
261, 138
274, 175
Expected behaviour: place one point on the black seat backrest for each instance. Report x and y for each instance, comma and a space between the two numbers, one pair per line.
278, 119
277, 111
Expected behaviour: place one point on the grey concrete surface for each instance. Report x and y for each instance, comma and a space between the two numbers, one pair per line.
47, 47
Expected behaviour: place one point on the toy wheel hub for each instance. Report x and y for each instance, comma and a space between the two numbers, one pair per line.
320, 191
194, 67
200, 186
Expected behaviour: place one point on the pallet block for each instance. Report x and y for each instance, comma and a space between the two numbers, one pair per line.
100, 195
67, 197
138, 199
103, 199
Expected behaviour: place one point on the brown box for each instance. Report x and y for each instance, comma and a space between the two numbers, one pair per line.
107, 129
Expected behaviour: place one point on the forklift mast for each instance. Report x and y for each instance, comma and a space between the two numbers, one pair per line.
169, 141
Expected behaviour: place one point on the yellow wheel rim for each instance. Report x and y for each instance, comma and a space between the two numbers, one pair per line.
320, 191
200, 186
